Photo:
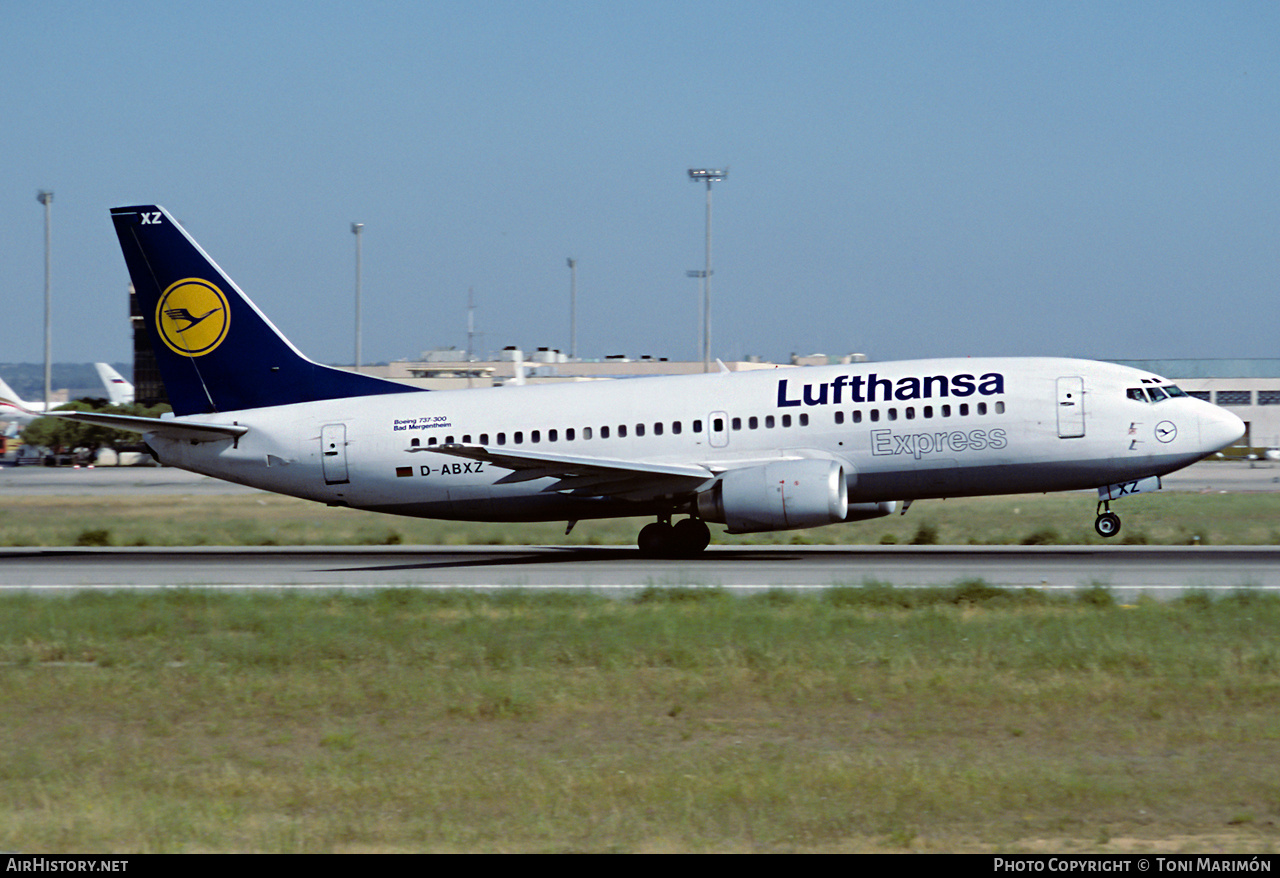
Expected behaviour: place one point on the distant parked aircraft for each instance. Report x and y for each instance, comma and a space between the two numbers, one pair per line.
119, 391
13, 408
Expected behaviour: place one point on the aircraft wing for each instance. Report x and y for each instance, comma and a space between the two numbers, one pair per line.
169, 428
593, 476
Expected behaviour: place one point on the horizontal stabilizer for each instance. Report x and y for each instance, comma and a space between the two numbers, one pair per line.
169, 428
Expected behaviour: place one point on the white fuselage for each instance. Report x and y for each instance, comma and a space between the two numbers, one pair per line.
901, 430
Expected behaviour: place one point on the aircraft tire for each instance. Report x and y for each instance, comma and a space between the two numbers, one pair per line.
655, 539
690, 537
1107, 525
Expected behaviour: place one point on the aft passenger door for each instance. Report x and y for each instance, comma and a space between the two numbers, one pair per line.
333, 453
1070, 408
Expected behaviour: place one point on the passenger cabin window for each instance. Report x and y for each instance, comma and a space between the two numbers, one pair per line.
502, 438
657, 429
839, 419
804, 419
639, 429
753, 423
622, 431
737, 423
675, 427
786, 420
569, 434
484, 438
697, 426
552, 435
586, 432
604, 432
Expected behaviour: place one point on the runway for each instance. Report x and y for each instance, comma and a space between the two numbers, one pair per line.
1159, 571
1128, 571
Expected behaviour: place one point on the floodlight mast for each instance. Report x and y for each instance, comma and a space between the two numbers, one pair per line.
46, 198
357, 229
709, 175
573, 308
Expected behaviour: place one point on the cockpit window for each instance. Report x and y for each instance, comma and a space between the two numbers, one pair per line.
1157, 394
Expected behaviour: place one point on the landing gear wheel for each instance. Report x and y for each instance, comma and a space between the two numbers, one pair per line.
654, 539
1107, 525
689, 538
686, 539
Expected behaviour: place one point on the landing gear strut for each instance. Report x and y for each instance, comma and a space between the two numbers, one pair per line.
1107, 524
686, 539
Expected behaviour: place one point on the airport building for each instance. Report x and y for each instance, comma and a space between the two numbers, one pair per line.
450, 369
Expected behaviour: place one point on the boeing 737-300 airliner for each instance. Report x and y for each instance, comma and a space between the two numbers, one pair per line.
755, 451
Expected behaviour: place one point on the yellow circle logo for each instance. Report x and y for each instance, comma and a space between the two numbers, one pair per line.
192, 317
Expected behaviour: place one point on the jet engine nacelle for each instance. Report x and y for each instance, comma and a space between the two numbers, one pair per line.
777, 496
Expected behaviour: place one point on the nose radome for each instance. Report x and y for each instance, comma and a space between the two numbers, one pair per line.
1219, 428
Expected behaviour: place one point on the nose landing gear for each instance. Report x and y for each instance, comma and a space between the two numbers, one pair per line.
686, 539
1107, 524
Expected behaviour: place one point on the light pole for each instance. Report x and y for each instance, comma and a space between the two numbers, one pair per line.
356, 229
710, 175
46, 198
573, 308
700, 341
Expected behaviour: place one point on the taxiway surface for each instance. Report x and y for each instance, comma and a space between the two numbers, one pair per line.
1222, 475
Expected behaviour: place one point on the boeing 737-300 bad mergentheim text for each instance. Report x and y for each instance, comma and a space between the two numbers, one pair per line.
757, 451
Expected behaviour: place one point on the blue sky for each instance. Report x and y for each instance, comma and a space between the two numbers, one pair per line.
921, 179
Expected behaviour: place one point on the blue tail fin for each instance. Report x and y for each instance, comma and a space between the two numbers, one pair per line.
215, 349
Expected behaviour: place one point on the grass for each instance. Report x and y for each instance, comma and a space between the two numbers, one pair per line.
253, 519
863, 719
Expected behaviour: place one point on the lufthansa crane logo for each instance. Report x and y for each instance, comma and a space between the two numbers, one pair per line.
192, 317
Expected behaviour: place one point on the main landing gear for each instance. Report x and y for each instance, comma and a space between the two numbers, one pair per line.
1107, 524
685, 539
